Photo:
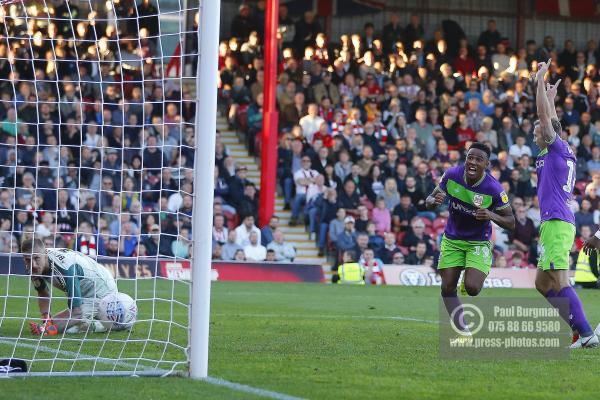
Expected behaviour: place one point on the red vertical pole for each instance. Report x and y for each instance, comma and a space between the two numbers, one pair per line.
268, 172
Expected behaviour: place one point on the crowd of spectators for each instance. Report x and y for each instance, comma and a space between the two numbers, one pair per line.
96, 145
369, 121
97, 142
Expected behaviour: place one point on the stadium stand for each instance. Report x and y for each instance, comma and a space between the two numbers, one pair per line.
381, 113
87, 149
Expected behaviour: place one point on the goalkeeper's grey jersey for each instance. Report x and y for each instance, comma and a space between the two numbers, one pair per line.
79, 276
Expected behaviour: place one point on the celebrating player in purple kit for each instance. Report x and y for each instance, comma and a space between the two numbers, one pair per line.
476, 198
555, 167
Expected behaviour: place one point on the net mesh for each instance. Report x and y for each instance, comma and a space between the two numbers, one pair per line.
97, 108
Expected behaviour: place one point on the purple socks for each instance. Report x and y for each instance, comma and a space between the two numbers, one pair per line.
574, 316
452, 302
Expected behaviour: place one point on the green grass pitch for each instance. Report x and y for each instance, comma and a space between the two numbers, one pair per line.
305, 340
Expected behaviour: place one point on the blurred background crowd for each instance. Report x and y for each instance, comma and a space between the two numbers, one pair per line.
97, 144
370, 120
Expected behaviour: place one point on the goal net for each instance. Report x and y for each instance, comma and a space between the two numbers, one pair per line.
97, 141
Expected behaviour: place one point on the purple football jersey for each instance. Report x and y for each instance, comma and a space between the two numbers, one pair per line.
464, 201
556, 178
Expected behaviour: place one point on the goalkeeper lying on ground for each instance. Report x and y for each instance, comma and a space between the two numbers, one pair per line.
82, 279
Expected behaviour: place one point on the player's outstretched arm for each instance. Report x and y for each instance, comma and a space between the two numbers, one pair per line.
504, 217
72, 315
551, 95
47, 326
44, 302
435, 199
67, 318
53, 325
64, 319
543, 106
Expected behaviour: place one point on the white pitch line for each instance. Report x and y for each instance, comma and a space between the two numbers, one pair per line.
72, 354
212, 380
317, 316
249, 389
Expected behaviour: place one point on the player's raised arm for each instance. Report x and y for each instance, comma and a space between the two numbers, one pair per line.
543, 105
551, 95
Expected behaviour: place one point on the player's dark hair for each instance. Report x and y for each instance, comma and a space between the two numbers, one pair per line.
29, 245
481, 146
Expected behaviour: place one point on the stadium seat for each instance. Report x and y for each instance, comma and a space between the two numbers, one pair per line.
399, 237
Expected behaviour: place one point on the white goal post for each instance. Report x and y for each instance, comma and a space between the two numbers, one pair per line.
206, 120
107, 148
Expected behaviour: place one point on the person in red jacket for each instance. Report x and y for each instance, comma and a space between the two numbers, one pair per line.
464, 64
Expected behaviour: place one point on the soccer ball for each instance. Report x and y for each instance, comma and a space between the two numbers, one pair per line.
117, 312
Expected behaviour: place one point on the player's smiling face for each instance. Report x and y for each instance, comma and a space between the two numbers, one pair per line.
475, 164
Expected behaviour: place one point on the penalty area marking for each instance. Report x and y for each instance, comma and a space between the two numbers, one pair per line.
107, 361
